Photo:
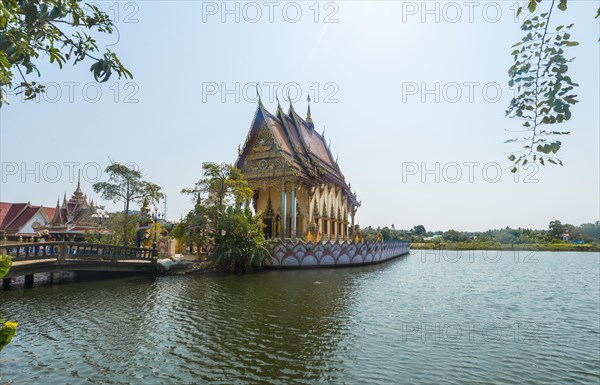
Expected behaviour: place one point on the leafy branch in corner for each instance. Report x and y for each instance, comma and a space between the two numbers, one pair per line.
544, 91
31, 28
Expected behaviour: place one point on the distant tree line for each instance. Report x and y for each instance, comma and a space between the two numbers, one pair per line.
557, 232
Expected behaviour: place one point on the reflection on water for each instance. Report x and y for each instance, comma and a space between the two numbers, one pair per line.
411, 320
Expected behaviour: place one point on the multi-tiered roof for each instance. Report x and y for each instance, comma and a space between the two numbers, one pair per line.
75, 212
307, 155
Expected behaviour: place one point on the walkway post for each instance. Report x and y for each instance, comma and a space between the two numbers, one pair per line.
62, 252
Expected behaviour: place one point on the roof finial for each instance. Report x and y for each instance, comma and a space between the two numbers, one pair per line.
258, 94
290, 100
79, 180
308, 114
323, 133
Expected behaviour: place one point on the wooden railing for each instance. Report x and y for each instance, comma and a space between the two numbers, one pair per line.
63, 251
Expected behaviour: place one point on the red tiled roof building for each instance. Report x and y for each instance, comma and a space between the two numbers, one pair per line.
69, 221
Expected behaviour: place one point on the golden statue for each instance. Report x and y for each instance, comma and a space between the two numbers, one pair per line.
313, 234
379, 236
357, 235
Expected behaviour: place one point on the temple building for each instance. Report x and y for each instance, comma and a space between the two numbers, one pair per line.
67, 222
73, 218
298, 185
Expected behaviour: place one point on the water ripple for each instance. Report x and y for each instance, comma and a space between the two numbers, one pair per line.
413, 320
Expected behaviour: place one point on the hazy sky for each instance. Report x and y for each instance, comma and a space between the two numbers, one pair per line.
412, 95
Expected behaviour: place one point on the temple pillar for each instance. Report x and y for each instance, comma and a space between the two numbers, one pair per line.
293, 212
283, 212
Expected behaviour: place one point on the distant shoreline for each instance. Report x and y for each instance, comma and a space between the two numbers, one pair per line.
492, 246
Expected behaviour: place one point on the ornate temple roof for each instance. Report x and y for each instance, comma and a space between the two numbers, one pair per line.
305, 151
76, 210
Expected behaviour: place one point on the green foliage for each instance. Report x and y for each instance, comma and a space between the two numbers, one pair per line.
193, 229
123, 229
419, 230
474, 245
217, 217
55, 29
544, 91
125, 184
117, 225
240, 245
525, 239
7, 331
221, 185
7, 328
389, 234
455, 236
5, 264
556, 229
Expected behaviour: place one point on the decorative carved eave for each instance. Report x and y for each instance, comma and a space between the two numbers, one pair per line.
57, 218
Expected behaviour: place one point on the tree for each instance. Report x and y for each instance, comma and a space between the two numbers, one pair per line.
419, 230
591, 232
222, 185
57, 29
240, 245
545, 92
7, 328
455, 236
556, 229
193, 229
126, 185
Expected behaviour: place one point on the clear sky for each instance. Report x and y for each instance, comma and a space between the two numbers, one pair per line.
365, 64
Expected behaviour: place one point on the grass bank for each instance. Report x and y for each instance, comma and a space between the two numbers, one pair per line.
499, 246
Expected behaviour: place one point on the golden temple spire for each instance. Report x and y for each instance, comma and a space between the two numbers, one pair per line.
78, 181
309, 115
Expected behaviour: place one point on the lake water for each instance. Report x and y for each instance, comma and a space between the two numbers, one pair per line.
431, 317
